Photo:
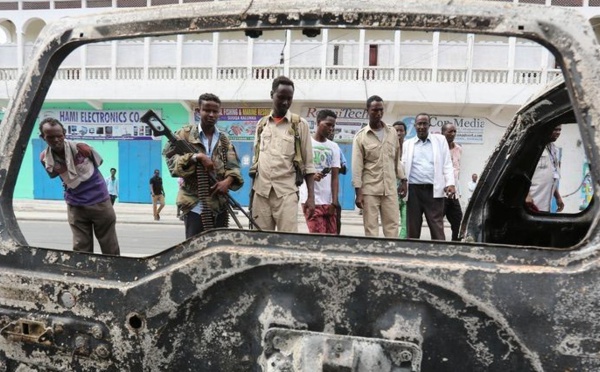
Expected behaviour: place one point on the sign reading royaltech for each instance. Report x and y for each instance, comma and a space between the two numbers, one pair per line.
102, 124
349, 121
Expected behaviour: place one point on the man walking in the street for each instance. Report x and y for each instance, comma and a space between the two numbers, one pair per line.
113, 185
214, 156
283, 158
471, 186
544, 182
430, 179
376, 169
89, 209
452, 209
158, 194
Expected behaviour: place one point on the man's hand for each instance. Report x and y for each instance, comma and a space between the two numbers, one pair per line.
402, 188
530, 205
450, 191
559, 203
309, 206
332, 209
359, 199
319, 177
206, 162
221, 187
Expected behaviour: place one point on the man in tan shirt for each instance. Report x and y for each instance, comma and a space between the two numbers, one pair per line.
376, 167
275, 200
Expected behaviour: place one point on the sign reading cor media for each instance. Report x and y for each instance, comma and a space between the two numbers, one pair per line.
102, 124
469, 130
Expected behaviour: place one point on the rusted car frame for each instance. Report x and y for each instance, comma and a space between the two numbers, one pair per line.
235, 300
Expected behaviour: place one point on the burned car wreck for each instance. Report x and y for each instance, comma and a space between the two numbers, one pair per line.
518, 294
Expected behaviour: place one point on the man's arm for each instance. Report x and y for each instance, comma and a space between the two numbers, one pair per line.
55, 172
232, 176
343, 163
559, 202
180, 165
357, 169
335, 180
448, 168
306, 151
400, 175
233, 168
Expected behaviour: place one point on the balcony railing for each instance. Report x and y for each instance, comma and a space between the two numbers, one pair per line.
416, 75
451, 76
305, 73
97, 73
130, 73
196, 73
266, 72
490, 76
332, 73
378, 74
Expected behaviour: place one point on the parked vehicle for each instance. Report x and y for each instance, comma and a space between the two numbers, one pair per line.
520, 294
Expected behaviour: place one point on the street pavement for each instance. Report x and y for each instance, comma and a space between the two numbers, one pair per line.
132, 213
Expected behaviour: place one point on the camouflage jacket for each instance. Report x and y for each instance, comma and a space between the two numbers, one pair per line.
224, 158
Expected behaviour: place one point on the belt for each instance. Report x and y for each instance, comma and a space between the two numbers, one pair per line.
421, 185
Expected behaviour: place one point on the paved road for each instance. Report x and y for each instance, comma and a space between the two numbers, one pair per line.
141, 239
134, 239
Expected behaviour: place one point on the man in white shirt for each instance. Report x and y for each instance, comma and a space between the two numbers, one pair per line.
544, 182
430, 178
326, 159
471, 186
113, 185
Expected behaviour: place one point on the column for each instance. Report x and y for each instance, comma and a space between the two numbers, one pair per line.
397, 39
179, 57
287, 49
436, 54
470, 47
249, 57
361, 54
215, 55
113, 60
512, 48
146, 74
324, 45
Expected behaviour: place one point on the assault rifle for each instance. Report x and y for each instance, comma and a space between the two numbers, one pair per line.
159, 128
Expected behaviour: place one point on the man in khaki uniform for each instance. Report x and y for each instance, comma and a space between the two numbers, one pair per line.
376, 168
275, 199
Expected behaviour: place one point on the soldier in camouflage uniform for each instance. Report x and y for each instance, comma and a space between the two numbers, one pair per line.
218, 157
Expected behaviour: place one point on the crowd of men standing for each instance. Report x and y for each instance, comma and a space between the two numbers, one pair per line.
396, 182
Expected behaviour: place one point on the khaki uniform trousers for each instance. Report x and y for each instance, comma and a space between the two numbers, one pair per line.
387, 206
274, 212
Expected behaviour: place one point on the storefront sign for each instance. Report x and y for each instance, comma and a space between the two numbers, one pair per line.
238, 123
102, 124
469, 130
348, 123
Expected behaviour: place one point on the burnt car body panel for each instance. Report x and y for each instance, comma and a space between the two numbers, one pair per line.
234, 300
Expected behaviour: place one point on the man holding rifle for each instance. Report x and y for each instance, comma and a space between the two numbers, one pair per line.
204, 203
